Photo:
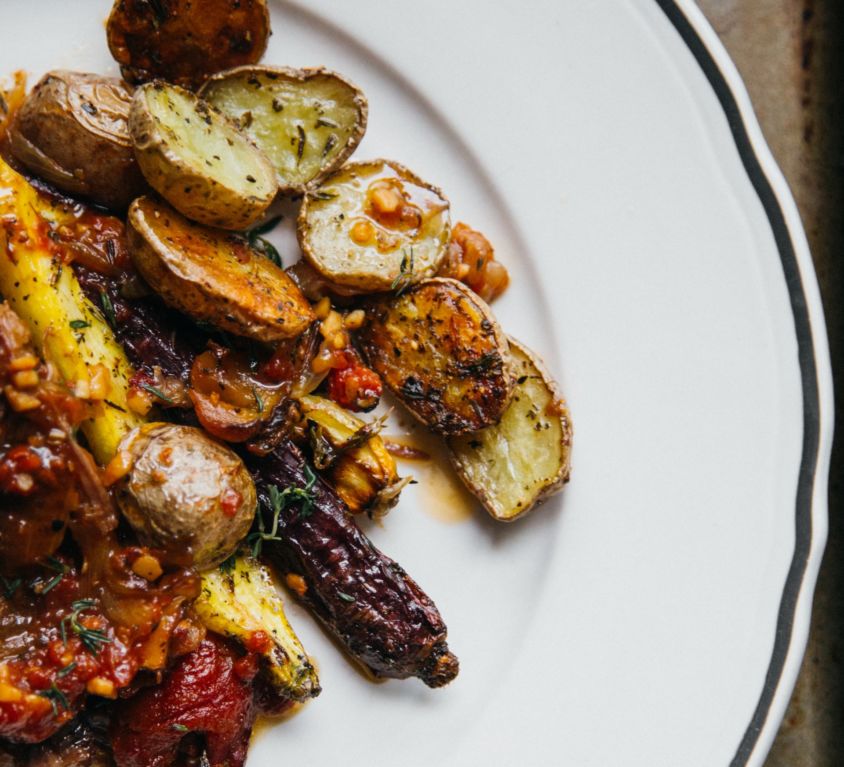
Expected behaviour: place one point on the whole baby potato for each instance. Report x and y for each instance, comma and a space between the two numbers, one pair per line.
72, 131
185, 494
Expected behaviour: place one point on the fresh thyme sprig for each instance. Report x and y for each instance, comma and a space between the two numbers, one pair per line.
108, 308
279, 501
405, 276
156, 393
92, 639
56, 697
57, 567
257, 242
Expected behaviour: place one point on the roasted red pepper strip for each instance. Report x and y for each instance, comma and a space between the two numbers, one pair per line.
209, 691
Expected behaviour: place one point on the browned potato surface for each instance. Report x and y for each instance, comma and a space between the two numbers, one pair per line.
374, 226
186, 493
518, 462
72, 131
307, 121
184, 41
213, 276
440, 350
197, 160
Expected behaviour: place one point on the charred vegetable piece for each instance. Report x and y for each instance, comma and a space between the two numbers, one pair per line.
197, 160
67, 329
185, 493
213, 277
152, 334
354, 458
72, 131
239, 601
84, 742
184, 41
526, 457
374, 226
232, 400
440, 350
307, 121
207, 692
364, 598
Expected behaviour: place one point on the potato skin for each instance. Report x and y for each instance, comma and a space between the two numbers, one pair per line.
214, 277
197, 160
185, 493
271, 105
72, 131
184, 41
442, 353
397, 250
514, 465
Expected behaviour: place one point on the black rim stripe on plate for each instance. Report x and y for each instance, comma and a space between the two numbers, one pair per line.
808, 374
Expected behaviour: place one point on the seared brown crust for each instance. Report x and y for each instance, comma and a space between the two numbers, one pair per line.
214, 277
363, 597
184, 41
442, 353
72, 132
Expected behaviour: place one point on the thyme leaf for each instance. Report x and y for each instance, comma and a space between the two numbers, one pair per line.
156, 393
92, 639
404, 278
279, 501
56, 697
108, 308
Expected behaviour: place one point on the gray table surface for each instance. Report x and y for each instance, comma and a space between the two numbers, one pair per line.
791, 56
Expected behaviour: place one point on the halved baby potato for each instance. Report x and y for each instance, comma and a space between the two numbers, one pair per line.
440, 350
214, 276
524, 458
307, 121
198, 160
374, 226
72, 131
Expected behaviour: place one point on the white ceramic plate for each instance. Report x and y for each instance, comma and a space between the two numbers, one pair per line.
656, 613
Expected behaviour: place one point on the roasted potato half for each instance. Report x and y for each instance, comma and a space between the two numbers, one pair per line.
185, 493
440, 350
518, 462
374, 226
307, 121
197, 160
184, 41
213, 276
72, 130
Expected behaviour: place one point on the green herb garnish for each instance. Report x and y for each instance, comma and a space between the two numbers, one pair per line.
10, 586
92, 639
108, 308
57, 567
156, 392
56, 697
405, 276
279, 501
258, 243
66, 670
79, 324
346, 597
259, 403
178, 727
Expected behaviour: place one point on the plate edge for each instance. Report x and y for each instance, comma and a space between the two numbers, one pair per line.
794, 612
